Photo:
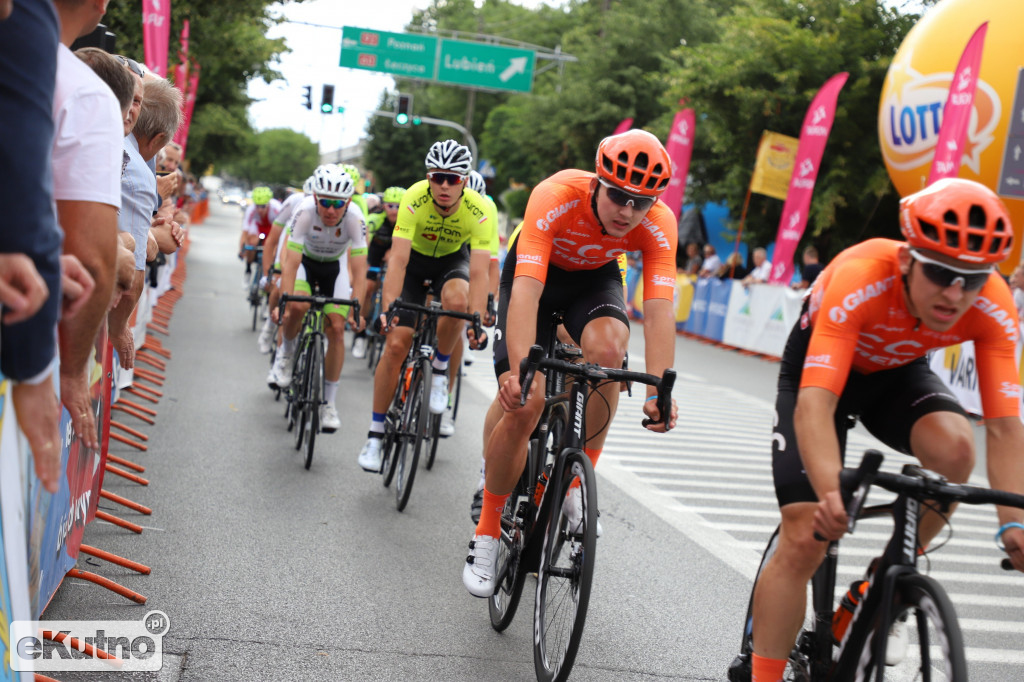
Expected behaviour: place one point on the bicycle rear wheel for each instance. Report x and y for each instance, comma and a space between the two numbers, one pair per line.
414, 423
565, 574
297, 394
314, 388
389, 454
516, 524
935, 651
434, 429
456, 392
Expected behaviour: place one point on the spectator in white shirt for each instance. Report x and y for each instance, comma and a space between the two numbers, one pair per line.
762, 269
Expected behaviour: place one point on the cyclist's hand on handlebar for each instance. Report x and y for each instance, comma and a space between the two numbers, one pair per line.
652, 412
830, 517
275, 314
1013, 540
489, 318
511, 392
356, 322
474, 342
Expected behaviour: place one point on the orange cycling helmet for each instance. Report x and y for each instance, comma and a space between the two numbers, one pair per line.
958, 218
635, 162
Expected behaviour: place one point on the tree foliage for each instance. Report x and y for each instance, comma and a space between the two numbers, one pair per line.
279, 156
744, 66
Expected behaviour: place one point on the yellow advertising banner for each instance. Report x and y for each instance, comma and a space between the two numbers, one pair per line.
775, 157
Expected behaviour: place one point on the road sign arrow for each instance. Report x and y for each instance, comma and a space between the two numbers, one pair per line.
516, 65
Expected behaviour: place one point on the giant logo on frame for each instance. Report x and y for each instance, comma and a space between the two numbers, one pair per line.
910, 117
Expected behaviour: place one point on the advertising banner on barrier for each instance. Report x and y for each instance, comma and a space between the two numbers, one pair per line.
955, 366
813, 137
718, 306
699, 310
14, 591
57, 521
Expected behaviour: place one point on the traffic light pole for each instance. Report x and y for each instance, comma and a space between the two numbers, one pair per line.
443, 123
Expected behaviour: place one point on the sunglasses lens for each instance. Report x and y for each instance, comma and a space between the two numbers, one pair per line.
944, 277
332, 203
445, 178
621, 198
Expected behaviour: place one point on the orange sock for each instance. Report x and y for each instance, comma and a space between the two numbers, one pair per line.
593, 454
766, 669
490, 514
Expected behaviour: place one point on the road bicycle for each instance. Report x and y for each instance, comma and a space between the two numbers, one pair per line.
410, 428
535, 537
896, 592
257, 297
456, 386
375, 340
304, 394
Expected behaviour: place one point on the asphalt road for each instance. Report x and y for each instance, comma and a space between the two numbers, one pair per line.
271, 572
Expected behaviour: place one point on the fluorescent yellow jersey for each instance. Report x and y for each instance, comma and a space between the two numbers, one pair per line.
434, 236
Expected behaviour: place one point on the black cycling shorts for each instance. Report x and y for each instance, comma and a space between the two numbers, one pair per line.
580, 295
437, 271
888, 402
375, 253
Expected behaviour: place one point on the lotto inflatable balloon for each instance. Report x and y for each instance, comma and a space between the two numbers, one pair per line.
915, 92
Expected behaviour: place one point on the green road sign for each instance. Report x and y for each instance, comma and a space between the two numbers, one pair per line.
405, 54
485, 66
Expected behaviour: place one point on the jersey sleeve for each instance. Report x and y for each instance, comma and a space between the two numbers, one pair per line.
533, 246
405, 224
302, 222
484, 230
495, 241
658, 236
837, 327
996, 350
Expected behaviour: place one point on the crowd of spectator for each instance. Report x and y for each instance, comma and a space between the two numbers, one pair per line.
710, 264
87, 211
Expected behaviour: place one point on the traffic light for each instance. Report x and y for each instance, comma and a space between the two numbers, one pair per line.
308, 97
327, 99
416, 120
403, 110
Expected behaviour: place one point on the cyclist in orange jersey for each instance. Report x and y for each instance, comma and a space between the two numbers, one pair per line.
565, 259
858, 350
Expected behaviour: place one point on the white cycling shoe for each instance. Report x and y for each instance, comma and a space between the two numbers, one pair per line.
265, 342
329, 420
280, 375
898, 643
359, 347
371, 456
572, 508
447, 426
478, 575
439, 393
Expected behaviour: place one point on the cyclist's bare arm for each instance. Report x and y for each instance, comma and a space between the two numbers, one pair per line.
400, 251
357, 265
479, 281
270, 247
290, 261
1004, 441
814, 424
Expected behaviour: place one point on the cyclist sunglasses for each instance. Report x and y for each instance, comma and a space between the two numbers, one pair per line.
945, 276
620, 198
132, 65
332, 203
443, 178
390, 206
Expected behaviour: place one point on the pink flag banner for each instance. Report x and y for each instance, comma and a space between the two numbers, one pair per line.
956, 115
156, 34
181, 137
813, 137
626, 124
181, 70
679, 148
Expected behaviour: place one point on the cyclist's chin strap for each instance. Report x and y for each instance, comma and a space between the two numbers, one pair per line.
593, 207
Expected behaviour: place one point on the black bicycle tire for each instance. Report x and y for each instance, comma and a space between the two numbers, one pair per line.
457, 393
416, 400
575, 464
503, 604
314, 387
389, 456
296, 391
435, 438
255, 313
926, 597
393, 432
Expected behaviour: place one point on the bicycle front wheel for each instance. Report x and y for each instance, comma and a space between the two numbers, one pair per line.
297, 394
934, 649
434, 429
414, 423
515, 526
565, 574
314, 389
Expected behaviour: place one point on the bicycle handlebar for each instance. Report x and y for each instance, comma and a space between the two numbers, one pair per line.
474, 318
593, 373
320, 301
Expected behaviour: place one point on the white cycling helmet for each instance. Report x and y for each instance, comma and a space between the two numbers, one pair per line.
449, 155
475, 182
307, 186
332, 182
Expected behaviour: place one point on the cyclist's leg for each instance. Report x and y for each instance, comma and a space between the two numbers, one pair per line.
454, 296
917, 414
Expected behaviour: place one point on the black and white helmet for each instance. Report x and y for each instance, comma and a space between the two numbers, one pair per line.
449, 155
475, 182
332, 182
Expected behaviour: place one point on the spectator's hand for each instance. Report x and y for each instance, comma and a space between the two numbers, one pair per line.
74, 393
77, 285
152, 247
6, 6
38, 415
124, 275
124, 343
167, 185
22, 289
177, 233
